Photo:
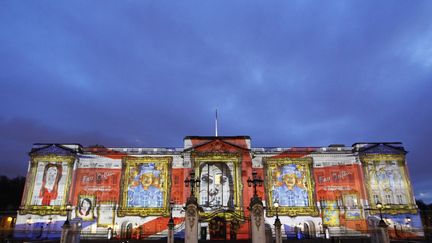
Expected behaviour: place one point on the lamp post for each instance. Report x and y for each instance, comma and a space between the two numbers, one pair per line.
67, 233
255, 181
29, 223
49, 226
192, 213
256, 207
68, 212
276, 206
408, 225
277, 224
192, 182
171, 220
381, 223
408, 222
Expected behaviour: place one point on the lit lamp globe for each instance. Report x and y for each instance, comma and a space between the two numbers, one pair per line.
381, 222
379, 205
276, 205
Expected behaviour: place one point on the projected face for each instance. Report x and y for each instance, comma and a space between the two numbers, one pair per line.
147, 180
51, 176
289, 180
85, 207
215, 185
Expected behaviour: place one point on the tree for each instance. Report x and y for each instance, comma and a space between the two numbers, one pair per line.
11, 191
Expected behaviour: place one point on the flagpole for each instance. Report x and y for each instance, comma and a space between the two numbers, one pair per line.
216, 124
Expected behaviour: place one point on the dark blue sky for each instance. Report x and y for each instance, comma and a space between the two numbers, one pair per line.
148, 73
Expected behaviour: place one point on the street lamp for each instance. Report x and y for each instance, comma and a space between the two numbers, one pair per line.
277, 223
255, 181
381, 222
171, 220
68, 212
49, 225
276, 205
192, 182
408, 222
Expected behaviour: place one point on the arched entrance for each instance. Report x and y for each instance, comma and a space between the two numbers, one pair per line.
309, 229
126, 230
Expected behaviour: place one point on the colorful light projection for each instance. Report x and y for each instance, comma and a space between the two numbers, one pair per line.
105, 214
100, 182
86, 205
144, 189
331, 214
387, 182
217, 185
289, 182
51, 180
146, 183
219, 176
340, 192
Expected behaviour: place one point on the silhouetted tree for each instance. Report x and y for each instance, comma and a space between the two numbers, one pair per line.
11, 193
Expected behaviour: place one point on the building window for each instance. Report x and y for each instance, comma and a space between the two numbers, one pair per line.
376, 199
400, 199
388, 199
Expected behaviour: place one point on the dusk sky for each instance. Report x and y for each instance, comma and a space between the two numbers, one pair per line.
149, 73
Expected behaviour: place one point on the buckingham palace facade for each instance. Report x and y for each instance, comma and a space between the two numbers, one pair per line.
130, 192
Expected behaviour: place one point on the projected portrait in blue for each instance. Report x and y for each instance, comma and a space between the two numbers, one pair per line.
144, 190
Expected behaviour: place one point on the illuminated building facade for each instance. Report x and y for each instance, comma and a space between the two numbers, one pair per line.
128, 192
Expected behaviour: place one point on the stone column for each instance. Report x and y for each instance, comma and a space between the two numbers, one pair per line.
278, 231
191, 220
66, 234
257, 220
380, 234
170, 231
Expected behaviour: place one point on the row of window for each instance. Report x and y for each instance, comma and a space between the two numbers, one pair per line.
388, 199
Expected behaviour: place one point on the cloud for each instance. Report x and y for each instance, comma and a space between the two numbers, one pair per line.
287, 73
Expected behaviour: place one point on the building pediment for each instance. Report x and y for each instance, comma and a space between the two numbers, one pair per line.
217, 146
55, 149
382, 148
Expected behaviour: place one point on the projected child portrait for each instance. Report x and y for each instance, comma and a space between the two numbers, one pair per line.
290, 189
85, 207
144, 189
217, 187
50, 181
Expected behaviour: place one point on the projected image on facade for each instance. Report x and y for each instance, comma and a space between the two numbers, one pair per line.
331, 214
50, 179
85, 207
49, 184
144, 189
290, 184
127, 193
387, 182
145, 185
217, 187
